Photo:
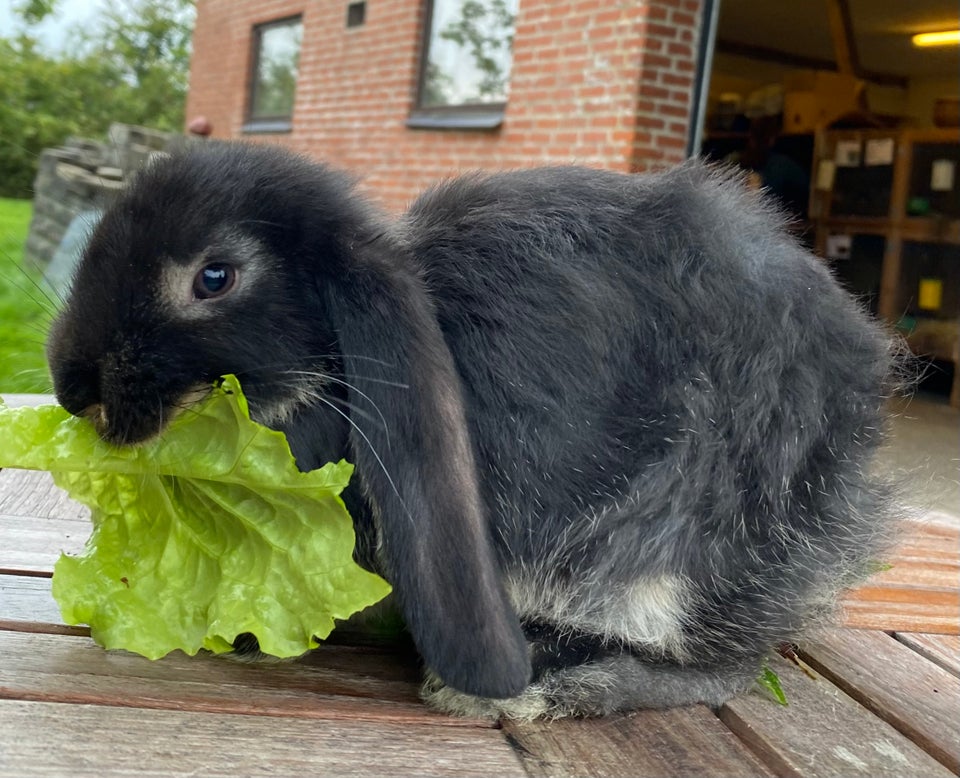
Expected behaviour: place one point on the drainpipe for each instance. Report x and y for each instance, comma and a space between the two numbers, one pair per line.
710, 11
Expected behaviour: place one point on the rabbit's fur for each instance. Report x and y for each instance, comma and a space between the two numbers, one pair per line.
612, 433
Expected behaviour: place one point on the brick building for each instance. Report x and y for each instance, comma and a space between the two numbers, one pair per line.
607, 83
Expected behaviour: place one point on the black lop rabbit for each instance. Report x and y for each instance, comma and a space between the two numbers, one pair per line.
612, 432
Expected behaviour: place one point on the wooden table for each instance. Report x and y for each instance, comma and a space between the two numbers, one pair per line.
880, 697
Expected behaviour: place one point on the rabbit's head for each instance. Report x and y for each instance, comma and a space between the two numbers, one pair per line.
251, 260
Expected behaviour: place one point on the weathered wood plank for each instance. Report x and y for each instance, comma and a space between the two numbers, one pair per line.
920, 592
944, 650
908, 617
31, 544
26, 600
333, 683
44, 739
823, 733
657, 744
33, 493
16, 400
922, 540
908, 610
27, 605
933, 572
916, 696
902, 593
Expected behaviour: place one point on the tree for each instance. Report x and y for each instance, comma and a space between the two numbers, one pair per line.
34, 11
147, 43
485, 30
35, 115
133, 68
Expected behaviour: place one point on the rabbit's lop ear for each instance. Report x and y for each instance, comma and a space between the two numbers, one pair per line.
416, 468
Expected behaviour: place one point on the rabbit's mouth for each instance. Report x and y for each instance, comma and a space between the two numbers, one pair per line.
122, 429
133, 429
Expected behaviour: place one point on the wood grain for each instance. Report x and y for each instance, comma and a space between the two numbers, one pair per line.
33, 493
904, 609
27, 600
944, 650
27, 605
823, 733
33, 545
655, 744
916, 696
920, 592
336, 683
44, 739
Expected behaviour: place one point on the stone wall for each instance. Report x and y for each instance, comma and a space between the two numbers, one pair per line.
84, 175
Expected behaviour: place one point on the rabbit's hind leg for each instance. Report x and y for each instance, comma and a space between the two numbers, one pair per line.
578, 674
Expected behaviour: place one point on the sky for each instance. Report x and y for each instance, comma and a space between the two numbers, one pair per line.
53, 33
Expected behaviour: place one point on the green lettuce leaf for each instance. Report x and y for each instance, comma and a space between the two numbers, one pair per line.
202, 534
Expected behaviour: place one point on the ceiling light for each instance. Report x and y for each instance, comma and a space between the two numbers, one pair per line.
944, 38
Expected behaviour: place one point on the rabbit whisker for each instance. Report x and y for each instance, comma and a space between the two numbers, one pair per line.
373, 451
325, 377
35, 373
362, 413
316, 394
382, 381
45, 302
361, 357
161, 407
259, 221
327, 355
183, 408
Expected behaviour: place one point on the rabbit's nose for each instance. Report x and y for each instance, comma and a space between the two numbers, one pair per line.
77, 385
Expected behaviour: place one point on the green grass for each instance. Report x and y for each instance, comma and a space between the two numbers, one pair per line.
24, 307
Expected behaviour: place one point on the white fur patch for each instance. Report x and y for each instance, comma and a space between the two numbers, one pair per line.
648, 613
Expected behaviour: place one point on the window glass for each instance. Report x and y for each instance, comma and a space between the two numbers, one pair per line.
277, 56
469, 52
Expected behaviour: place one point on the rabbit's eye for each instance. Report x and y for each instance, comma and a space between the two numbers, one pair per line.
214, 280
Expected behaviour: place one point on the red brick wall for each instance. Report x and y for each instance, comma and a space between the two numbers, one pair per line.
605, 83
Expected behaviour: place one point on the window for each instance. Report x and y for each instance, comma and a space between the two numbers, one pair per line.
273, 76
467, 56
356, 14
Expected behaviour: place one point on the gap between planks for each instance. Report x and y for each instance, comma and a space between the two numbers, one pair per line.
916, 696
824, 733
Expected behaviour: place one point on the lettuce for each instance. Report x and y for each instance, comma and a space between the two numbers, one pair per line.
202, 534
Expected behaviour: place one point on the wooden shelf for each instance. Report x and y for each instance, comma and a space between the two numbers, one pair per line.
913, 228
897, 227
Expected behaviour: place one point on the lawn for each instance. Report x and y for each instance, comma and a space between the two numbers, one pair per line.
25, 307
